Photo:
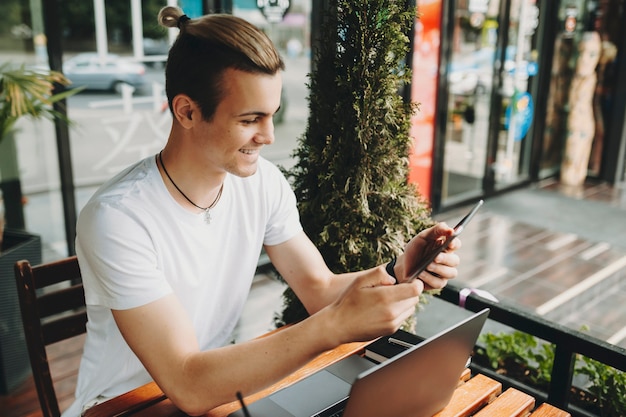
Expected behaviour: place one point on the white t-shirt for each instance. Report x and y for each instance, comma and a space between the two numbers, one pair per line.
136, 244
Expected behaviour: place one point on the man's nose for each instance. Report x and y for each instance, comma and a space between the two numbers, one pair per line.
266, 135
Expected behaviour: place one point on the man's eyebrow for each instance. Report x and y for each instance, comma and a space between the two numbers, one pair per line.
252, 113
257, 113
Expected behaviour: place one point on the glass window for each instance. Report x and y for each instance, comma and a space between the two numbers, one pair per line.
289, 30
118, 119
29, 174
122, 116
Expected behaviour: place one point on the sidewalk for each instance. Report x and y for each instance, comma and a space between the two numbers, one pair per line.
557, 253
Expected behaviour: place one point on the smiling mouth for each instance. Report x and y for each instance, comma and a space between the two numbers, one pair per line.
248, 151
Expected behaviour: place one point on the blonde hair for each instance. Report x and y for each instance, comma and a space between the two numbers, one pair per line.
206, 47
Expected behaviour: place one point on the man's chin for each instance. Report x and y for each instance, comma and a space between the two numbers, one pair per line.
248, 171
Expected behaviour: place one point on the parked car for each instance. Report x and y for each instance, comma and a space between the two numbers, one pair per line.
108, 73
155, 51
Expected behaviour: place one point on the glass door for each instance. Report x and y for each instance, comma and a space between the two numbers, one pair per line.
470, 79
492, 62
515, 101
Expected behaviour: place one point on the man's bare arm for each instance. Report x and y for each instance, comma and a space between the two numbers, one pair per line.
161, 335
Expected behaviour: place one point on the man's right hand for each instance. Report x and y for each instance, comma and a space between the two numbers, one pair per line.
372, 306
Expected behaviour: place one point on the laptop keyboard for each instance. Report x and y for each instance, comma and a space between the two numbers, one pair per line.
335, 410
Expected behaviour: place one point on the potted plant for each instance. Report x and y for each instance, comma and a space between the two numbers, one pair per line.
599, 389
351, 173
23, 93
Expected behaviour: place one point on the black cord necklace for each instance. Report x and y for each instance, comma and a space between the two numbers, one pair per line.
207, 210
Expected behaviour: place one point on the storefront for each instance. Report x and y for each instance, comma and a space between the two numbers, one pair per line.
508, 85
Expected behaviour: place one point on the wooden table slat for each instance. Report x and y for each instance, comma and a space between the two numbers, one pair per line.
477, 395
471, 396
141, 397
159, 405
547, 410
465, 376
320, 362
512, 403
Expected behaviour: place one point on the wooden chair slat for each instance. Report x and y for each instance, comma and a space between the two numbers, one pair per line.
61, 300
50, 313
65, 327
54, 272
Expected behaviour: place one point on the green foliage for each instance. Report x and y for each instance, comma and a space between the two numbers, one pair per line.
522, 349
11, 15
508, 352
351, 176
26, 92
607, 384
507, 346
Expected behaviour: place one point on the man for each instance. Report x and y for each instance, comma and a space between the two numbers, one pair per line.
168, 248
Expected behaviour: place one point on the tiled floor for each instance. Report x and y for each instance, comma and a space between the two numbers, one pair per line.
575, 279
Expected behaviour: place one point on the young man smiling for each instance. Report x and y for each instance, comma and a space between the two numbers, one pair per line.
168, 248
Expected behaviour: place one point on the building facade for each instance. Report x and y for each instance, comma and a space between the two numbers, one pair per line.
504, 87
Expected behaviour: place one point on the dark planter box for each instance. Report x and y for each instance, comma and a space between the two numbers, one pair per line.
14, 362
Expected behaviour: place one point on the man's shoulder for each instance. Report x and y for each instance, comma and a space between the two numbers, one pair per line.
126, 191
127, 179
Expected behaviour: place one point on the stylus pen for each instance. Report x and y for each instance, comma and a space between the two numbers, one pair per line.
399, 342
246, 413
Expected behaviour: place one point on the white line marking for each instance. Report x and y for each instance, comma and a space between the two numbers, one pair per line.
617, 337
487, 278
594, 251
559, 242
581, 287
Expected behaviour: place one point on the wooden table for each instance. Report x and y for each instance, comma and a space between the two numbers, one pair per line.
476, 395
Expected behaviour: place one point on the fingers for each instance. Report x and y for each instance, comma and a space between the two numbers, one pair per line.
436, 235
444, 259
444, 266
432, 280
419, 250
368, 310
436, 232
442, 269
376, 279
454, 245
400, 303
441, 230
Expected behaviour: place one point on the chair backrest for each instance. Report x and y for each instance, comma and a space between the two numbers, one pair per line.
52, 302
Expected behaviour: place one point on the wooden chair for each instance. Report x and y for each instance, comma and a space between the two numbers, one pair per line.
52, 302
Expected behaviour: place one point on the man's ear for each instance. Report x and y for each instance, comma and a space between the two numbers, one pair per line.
185, 110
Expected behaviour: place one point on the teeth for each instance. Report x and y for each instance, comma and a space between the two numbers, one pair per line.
247, 151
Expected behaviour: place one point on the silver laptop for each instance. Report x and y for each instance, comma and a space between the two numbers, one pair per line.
418, 382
